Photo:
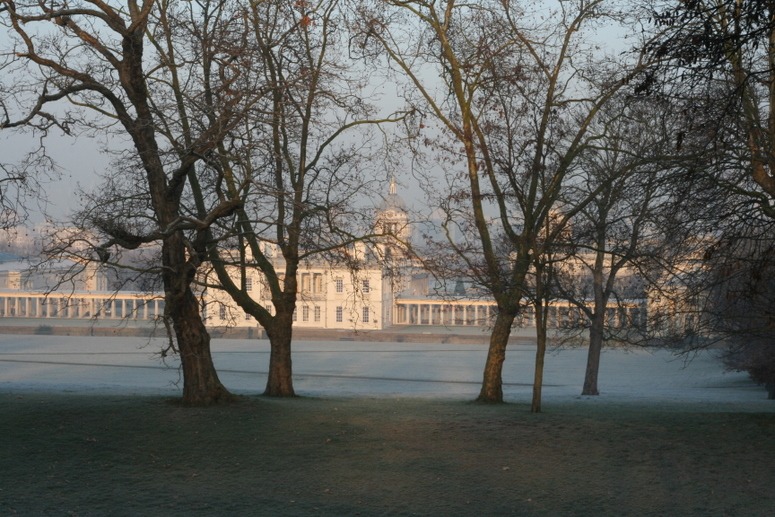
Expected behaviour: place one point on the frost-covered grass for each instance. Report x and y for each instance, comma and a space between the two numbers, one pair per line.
90, 427
336, 369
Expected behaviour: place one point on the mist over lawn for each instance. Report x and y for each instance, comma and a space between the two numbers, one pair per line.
121, 365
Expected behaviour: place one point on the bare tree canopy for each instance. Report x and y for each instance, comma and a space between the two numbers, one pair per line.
164, 80
718, 57
517, 96
301, 168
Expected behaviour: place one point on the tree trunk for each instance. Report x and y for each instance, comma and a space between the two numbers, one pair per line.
280, 334
538, 377
201, 386
492, 383
593, 355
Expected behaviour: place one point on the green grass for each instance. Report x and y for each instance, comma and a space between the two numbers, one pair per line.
109, 455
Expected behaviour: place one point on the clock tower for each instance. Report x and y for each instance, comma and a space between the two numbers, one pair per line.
392, 222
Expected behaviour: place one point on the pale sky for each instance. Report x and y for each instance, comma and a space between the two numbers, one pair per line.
80, 161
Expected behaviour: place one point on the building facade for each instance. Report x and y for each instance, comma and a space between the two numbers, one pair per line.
387, 288
329, 298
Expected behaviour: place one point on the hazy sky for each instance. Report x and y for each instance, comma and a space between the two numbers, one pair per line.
80, 161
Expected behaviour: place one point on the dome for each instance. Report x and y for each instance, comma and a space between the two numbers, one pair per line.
393, 201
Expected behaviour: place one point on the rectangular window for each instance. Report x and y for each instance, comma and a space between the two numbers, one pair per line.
248, 284
339, 285
247, 317
305, 287
317, 283
317, 313
365, 285
365, 314
305, 313
222, 312
294, 314
339, 313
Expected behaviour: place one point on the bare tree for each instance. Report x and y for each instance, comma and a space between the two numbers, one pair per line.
617, 242
298, 168
741, 297
718, 62
548, 254
509, 99
137, 71
720, 55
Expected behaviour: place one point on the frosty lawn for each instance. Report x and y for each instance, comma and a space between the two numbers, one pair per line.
90, 428
335, 369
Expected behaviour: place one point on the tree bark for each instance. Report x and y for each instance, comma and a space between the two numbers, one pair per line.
538, 376
280, 333
201, 385
593, 355
492, 383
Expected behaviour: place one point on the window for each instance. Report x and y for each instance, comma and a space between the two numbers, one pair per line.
317, 283
305, 287
222, 311
305, 313
294, 314
339, 285
317, 313
365, 286
339, 312
248, 284
365, 314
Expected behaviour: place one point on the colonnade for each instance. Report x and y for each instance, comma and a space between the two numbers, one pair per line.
80, 306
444, 313
475, 313
405, 311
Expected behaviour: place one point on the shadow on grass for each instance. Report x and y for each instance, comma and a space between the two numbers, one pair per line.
89, 454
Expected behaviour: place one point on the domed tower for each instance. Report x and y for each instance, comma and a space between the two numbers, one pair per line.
393, 221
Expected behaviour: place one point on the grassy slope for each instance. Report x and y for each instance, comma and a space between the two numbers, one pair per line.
96, 455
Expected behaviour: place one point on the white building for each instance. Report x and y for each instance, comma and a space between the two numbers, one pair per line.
329, 298
333, 296
388, 288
